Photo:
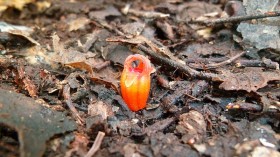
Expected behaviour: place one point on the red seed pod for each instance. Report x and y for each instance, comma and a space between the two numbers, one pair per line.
135, 81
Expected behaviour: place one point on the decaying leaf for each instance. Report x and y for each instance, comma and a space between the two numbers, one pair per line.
193, 50
16, 40
100, 108
6, 27
192, 127
78, 23
79, 145
19, 4
34, 123
195, 9
133, 29
81, 65
251, 79
167, 29
24, 79
102, 14
108, 78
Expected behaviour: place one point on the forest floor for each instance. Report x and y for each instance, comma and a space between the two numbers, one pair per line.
215, 90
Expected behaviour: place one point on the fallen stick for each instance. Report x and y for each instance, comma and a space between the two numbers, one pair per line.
235, 19
96, 145
215, 65
181, 67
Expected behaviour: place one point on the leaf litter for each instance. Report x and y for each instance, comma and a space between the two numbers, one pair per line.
205, 76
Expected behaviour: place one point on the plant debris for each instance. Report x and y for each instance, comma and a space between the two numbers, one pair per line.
214, 90
33, 122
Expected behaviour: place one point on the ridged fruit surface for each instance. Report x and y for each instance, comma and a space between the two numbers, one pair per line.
135, 81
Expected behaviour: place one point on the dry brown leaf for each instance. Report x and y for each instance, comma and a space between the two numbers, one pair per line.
107, 77
192, 127
30, 87
19, 4
85, 61
166, 28
102, 14
100, 108
58, 47
25, 80
79, 145
196, 9
132, 29
251, 79
81, 65
78, 23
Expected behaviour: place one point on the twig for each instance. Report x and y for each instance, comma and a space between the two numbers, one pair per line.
257, 63
244, 106
235, 18
181, 67
205, 60
66, 95
215, 65
96, 145
102, 65
194, 98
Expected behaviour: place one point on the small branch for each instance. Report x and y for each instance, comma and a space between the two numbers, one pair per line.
205, 60
244, 106
75, 113
215, 65
267, 63
181, 67
96, 145
235, 19
194, 98
102, 65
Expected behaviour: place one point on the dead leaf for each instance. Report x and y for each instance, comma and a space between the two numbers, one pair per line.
251, 79
16, 40
78, 23
34, 123
133, 29
130, 149
19, 4
166, 28
196, 9
58, 47
264, 151
25, 81
6, 27
192, 127
102, 14
81, 65
118, 54
108, 81
79, 145
100, 108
